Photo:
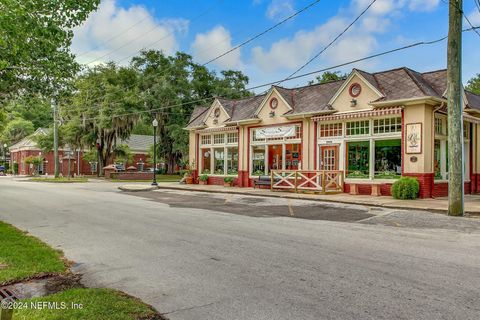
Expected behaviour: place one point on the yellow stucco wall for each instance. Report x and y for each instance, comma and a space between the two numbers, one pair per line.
265, 110
476, 148
420, 113
192, 159
210, 116
342, 102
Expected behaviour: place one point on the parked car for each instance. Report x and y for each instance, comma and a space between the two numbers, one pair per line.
2, 170
119, 167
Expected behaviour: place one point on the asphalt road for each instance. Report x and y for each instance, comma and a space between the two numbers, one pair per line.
213, 256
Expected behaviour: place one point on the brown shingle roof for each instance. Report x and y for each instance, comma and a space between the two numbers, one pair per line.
196, 119
395, 84
315, 98
473, 100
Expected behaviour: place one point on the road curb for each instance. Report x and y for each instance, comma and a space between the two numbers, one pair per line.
287, 196
136, 188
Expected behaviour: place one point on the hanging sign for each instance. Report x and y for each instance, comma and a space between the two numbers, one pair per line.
275, 132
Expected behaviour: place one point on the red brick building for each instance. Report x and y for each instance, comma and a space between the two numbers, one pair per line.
70, 160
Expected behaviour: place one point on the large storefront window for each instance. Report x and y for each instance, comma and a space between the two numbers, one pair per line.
258, 160
275, 148
221, 158
293, 154
232, 161
219, 161
437, 159
388, 159
206, 161
275, 157
358, 155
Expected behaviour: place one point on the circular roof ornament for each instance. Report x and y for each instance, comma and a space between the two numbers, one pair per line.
355, 90
274, 103
216, 112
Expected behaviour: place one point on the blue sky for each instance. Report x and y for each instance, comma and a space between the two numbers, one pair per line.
205, 29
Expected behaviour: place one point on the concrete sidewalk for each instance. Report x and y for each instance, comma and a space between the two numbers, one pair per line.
472, 202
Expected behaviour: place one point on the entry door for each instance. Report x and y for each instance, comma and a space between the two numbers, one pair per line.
329, 158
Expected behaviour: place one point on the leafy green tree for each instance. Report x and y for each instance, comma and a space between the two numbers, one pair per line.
35, 37
123, 154
32, 108
473, 84
104, 109
35, 161
16, 130
172, 87
328, 76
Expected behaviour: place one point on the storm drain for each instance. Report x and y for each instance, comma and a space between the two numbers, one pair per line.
7, 294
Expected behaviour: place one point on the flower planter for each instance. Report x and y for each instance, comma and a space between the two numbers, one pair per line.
189, 180
203, 183
227, 184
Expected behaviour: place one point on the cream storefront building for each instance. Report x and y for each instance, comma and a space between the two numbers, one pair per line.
371, 128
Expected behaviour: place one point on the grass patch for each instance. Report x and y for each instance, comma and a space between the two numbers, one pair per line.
24, 256
99, 304
60, 180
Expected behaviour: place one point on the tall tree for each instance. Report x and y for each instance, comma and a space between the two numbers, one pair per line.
104, 109
172, 87
328, 76
35, 37
473, 84
16, 130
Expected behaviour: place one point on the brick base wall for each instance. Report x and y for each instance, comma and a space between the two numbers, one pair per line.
426, 181
219, 181
440, 189
130, 175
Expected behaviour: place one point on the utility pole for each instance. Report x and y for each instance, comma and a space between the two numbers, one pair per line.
55, 139
455, 110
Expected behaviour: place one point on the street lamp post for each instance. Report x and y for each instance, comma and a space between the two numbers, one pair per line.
155, 125
5, 155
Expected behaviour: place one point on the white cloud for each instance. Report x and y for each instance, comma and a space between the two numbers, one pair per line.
474, 17
359, 41
280, 9
423, 5
121, 32
213, 43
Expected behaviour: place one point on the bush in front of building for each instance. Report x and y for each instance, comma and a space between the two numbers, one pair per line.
405, 188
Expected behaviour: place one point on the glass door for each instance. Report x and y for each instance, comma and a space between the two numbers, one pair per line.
329, 158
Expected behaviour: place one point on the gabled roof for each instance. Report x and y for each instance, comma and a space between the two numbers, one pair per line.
473, 100
315, 98
404, 83
29, 141
138, 142
196, 119
392, 85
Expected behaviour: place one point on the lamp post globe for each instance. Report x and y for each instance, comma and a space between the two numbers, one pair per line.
155, 125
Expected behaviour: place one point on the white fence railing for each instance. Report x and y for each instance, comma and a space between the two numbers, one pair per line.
324, 181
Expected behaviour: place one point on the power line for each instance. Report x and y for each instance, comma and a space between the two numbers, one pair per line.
253, 37
264, 32
170, 33
416, 44
329, 44
474, 28
114, 37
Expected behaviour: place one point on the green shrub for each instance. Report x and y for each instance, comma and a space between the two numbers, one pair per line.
228, 179
203, 177
405, 188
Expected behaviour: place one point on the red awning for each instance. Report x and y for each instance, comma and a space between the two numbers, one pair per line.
360, 114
